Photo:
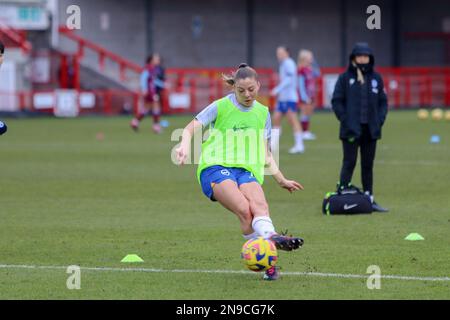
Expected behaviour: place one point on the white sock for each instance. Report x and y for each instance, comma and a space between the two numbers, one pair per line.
263, 226
298, 140
250, 236
275, 138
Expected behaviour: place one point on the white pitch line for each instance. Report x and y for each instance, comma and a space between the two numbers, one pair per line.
152, 270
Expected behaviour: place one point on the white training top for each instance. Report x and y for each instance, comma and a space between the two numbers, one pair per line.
287, 88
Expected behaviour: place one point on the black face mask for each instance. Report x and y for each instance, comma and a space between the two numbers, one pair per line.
364, 67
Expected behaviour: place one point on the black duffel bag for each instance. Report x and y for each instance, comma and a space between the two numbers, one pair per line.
346, 201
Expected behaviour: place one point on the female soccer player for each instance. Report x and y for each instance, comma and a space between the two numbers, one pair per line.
231, 166
286, 93
307, 75
152, 83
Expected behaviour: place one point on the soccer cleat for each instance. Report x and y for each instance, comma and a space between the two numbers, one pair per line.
134, 124
272, 274
156, 128
286, 243
308, 135
296, 150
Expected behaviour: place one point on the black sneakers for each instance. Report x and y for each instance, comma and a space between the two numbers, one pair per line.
286, 243
345, 189
377, 208
353, 189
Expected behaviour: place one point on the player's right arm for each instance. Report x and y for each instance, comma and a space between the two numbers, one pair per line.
203, 119
287, 74
185, 146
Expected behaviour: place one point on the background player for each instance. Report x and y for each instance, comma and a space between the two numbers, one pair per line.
152, 84
287, 96
307, 75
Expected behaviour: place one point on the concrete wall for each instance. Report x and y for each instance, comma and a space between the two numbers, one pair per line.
169, 27
221, 37
127, 33
297, 24
424, 16
379, 40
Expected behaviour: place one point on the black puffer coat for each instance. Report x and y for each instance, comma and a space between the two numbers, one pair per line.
346, 99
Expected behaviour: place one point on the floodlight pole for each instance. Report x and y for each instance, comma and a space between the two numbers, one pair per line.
396, 32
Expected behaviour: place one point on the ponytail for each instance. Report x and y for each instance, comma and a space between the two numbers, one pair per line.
243, 71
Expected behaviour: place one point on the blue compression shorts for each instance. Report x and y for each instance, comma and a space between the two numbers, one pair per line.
216, 174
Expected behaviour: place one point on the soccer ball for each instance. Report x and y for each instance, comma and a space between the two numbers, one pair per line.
422, 114
437, 114
259, 254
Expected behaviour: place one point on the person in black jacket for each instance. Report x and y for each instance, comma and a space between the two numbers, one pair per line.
360, 104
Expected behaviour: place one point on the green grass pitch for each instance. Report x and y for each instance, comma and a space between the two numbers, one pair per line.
68, 197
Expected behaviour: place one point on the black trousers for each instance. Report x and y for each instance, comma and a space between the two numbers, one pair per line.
367, 147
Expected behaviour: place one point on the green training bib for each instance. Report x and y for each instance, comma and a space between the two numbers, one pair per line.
236, 140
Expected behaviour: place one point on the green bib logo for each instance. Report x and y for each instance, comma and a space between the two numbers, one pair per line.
240, 127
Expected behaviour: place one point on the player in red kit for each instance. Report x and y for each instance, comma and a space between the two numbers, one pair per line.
152, 82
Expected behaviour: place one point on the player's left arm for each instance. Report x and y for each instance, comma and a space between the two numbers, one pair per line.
160, 81
382, 102
271, 165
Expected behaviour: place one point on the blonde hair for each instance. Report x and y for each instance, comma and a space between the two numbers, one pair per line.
305, 57
242, 72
